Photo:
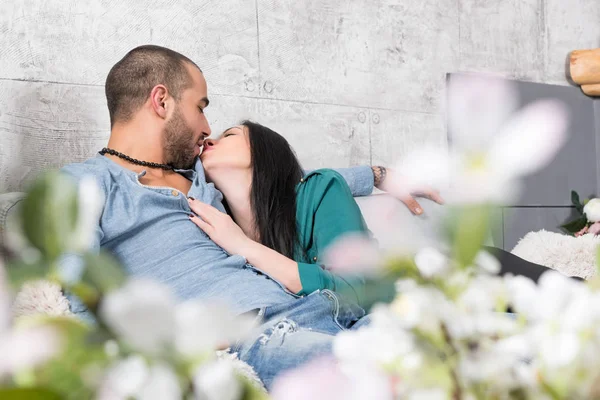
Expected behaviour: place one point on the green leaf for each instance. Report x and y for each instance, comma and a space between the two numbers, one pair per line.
28, 394
102, 272
577, 202
65, 373
20, 272
89, 295
575, 225
49, 214
251, 392
575, 198
403, 268
469, 229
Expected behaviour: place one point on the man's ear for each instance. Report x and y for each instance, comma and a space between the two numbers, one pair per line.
159, 97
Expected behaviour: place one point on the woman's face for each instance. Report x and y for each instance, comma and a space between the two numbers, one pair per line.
230, 152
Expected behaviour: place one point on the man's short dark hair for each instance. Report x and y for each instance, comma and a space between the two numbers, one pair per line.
131, 80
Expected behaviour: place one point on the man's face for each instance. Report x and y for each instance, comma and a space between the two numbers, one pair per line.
187, 126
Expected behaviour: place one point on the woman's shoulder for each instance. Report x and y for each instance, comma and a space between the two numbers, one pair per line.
322, 182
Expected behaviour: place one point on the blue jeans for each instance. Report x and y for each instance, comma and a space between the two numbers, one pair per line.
295, 332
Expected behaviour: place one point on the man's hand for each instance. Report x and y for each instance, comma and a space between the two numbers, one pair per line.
399, 186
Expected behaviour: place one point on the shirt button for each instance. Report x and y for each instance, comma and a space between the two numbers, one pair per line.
315, 258
175, 193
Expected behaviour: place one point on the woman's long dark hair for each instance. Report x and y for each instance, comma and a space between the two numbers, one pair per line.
275, 173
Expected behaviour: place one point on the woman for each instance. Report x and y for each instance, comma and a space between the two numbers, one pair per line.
283, 220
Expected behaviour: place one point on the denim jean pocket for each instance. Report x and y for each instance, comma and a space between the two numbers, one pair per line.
344, 312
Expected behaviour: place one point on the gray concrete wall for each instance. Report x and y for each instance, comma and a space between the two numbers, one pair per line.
348, 82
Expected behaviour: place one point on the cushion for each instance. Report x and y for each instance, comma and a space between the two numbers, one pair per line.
572, 256
9, 219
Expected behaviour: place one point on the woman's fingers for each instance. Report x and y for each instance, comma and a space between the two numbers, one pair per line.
201, 224
203, 209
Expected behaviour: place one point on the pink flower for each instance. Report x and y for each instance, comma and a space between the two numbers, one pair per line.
582, 232
323, 379
594, 228
352, 253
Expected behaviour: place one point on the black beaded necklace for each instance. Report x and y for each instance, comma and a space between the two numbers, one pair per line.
112, 152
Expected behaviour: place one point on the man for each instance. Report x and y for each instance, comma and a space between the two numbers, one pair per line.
156, 100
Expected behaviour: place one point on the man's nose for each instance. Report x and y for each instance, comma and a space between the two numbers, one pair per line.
206, 131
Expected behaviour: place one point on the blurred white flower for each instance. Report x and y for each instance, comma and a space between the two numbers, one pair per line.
22, 346
134, 378
592, 210
124, 379
146, 316
522, 293
142, 313
384, 341
428, 394
111, 348
488, 263
546, 301
161, 384
560, 312
421, 308
557, 349
483, 294
217, 381
90, 206
201, 327
431, 262
490, 148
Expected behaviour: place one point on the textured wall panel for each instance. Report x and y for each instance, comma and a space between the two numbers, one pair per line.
227, 111
571, 25
396, 133
78, 42
380, 53
47, 125
505, 37
322, 135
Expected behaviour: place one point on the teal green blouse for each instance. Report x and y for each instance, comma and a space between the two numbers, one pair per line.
325, 211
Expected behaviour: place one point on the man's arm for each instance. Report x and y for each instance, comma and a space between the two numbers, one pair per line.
71, 266
359, 179
364, 178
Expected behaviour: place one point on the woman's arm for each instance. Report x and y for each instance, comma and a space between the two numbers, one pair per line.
222, 230
335, 214
331, 212
364, 178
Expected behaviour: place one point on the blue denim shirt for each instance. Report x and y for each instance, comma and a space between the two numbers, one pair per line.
147, 228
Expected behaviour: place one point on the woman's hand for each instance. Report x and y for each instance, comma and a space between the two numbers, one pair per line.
219, 227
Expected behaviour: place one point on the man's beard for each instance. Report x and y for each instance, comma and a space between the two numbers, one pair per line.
177, 143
